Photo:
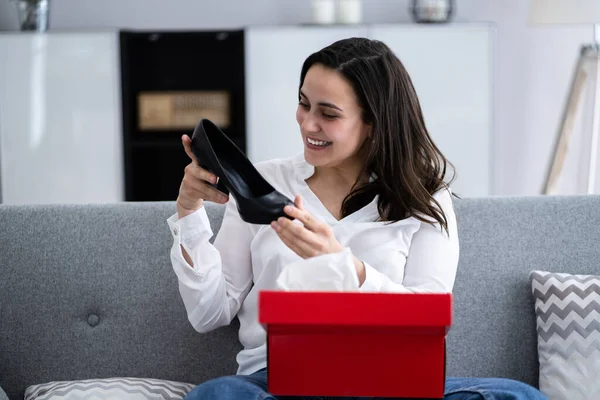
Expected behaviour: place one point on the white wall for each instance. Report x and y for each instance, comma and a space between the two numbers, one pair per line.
534, 64
534, 67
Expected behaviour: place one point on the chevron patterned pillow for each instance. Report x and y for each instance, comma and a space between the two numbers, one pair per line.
567, 309
111, 388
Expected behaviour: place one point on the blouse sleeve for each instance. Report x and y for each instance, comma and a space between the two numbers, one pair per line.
214, 289
432, 259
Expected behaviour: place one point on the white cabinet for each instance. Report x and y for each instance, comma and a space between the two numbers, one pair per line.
451, 69
450, 65
60, 103
60, 118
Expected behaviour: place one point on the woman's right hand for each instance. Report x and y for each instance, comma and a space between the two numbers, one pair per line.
196, 185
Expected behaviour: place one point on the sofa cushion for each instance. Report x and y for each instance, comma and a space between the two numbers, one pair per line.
110, 388
567, 311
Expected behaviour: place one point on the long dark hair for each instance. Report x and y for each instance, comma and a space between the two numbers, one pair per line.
408, 165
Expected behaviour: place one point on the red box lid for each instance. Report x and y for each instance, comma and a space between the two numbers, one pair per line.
400, 310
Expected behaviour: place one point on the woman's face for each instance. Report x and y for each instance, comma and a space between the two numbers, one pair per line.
330, 119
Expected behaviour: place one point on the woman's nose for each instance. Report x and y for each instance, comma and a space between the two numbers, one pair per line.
309, 123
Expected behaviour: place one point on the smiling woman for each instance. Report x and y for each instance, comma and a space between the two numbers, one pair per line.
328, 113
364, 104
373, 208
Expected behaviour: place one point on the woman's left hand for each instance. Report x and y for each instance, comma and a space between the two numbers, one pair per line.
313, 239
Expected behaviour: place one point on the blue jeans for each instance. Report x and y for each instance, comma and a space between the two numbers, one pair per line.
254, 387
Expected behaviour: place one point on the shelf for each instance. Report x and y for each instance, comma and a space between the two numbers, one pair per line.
167, 86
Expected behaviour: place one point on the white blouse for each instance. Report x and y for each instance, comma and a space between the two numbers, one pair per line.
405, 256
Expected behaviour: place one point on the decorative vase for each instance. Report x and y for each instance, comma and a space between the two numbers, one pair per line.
33, 14
349, 11
432, 11
323, 11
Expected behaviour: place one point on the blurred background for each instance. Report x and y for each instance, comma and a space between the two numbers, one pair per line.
94, 95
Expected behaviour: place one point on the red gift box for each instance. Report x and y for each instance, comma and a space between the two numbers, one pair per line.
356, 344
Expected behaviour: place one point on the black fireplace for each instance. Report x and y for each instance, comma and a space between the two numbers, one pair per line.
170, 80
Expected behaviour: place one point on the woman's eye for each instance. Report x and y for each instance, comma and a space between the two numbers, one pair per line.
325, 115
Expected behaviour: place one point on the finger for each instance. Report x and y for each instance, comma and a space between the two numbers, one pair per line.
215, 195
299, 235
201, 174
201, 179
204, 174
303, 216
187, 146
292, 246
200, 189
298, 202
296, 246
212, 194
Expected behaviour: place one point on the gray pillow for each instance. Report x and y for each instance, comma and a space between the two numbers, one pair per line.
3, 395
567, 309
110, 388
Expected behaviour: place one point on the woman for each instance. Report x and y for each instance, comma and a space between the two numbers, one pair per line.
375, 208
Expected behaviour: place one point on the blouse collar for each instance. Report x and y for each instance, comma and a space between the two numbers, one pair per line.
303, 170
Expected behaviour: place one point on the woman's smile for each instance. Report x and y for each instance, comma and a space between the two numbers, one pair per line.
316, 144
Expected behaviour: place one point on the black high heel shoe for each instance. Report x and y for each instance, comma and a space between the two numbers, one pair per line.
257, 201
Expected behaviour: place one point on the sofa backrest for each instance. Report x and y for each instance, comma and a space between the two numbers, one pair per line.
502, 239
87, 291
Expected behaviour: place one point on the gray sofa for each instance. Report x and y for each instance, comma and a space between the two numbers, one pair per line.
87, 291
